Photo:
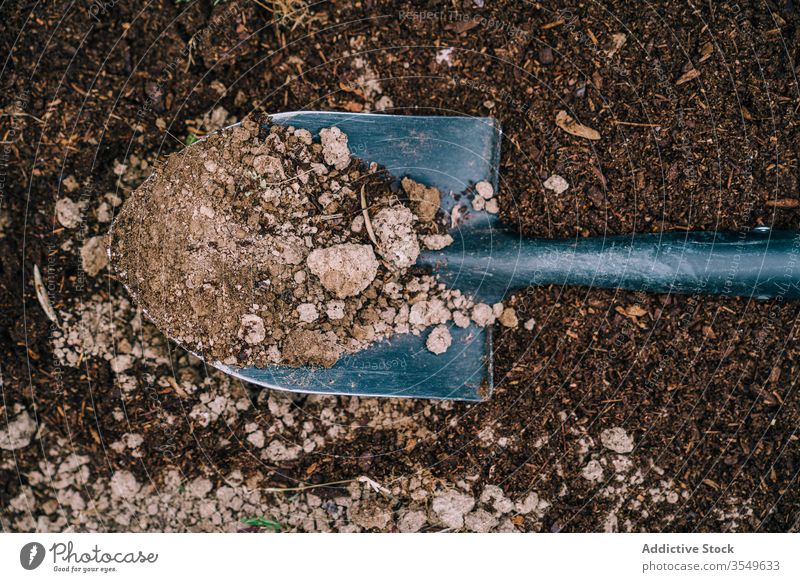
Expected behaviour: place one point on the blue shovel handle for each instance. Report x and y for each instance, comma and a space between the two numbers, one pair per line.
760, 263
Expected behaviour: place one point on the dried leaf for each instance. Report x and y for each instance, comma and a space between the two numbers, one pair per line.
688, 76
354, 107
631, 312
784, 203
636, 311
177, 387
706, 52
597, 80
553, 24
41, 295
463, 25
367, 221
572, 127
456, 216
374, 485
617, 42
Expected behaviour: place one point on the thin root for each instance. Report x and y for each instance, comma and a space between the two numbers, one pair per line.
367, 221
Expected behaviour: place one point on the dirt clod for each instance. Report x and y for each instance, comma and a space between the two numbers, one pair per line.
68, 213
508, 318
484, 190
311, 347
424, 200
344, 270
451, 506
397, 242
94, 255
18, 433
439, 339
334, 148
556, 183
617, 440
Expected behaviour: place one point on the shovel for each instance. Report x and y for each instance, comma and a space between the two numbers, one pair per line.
487, 260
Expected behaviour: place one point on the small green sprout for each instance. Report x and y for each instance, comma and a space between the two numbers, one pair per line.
262, 522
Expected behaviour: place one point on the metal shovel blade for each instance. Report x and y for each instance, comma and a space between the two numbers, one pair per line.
450, 153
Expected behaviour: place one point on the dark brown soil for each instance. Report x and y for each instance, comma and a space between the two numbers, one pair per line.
698, 117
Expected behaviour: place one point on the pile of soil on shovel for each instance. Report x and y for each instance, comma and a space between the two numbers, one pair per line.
256, 247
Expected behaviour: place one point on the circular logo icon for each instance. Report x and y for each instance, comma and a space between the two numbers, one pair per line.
31, 555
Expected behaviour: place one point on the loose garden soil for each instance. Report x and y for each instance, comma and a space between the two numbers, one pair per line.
612, 411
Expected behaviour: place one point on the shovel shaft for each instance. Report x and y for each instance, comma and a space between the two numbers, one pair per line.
758, 263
